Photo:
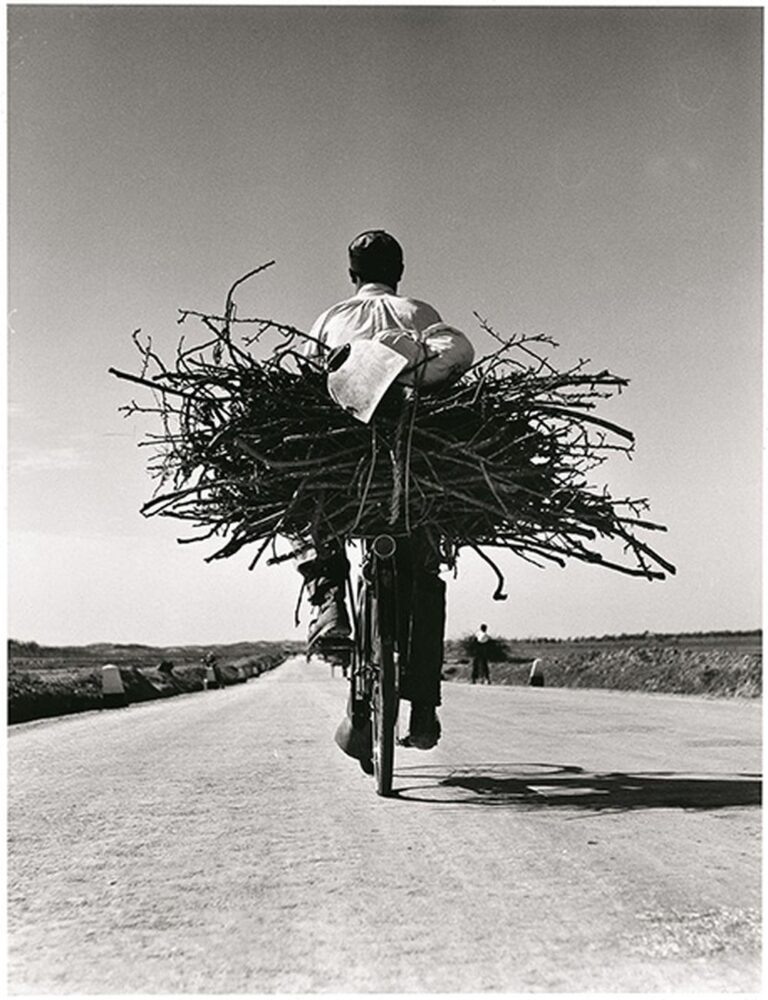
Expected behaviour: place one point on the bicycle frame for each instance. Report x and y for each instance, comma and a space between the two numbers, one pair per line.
374, 677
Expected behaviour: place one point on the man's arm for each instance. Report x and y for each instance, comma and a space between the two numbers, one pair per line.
425, 315
313, 348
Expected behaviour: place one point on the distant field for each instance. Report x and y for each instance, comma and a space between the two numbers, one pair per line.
723, 664
748, 642
55, 680
31, 656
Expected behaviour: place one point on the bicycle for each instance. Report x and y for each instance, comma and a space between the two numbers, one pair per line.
374, 675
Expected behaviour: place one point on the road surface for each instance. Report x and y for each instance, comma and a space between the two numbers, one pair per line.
219, 842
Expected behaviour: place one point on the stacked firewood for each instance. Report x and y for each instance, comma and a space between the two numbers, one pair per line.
250, 448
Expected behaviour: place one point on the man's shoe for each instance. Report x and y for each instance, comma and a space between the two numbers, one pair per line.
338, 655
331, 628
356, 742
325, 580
424, 731
366, 763
337, 644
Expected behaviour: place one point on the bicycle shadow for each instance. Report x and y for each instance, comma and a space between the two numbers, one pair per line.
532, 785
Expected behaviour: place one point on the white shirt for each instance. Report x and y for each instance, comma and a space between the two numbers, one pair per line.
373, 309
481, 636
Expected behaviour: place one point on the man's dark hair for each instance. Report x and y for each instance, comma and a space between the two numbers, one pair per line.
376, 256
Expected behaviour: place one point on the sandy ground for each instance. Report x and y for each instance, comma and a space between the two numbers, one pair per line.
555, 841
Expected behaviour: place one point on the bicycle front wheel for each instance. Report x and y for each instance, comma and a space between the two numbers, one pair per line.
385, 687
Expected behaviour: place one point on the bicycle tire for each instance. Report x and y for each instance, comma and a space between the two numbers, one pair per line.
385, 695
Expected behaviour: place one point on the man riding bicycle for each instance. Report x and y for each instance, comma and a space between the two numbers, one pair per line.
407, 344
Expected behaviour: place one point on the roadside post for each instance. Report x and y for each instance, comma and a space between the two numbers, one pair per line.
536, 676
112, 688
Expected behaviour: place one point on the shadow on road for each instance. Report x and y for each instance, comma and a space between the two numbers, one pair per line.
537, 785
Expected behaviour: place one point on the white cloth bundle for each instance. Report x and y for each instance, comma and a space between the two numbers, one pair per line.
369, 366
443, 354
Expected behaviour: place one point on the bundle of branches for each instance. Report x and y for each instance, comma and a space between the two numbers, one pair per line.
253, 450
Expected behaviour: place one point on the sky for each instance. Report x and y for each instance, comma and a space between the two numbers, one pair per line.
593, 174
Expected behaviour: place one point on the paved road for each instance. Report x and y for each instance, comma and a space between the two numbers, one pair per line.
555, 841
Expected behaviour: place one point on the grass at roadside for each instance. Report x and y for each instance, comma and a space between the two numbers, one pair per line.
49, 681
717, 664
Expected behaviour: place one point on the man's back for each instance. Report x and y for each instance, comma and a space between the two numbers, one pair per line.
374, 309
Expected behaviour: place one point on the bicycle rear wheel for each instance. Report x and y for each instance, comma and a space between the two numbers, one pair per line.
385, 687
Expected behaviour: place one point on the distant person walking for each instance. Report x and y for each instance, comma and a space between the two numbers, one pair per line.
480, 659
